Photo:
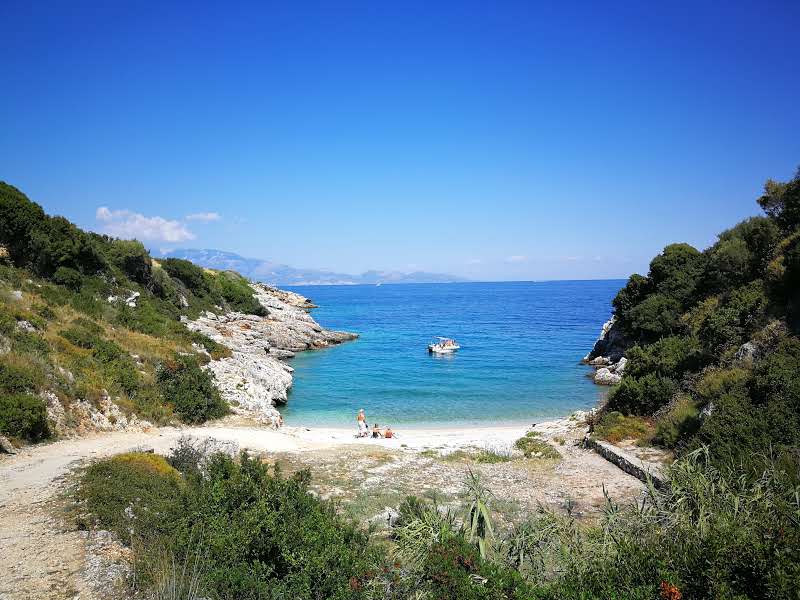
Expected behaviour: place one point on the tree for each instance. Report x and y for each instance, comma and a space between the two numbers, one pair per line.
781, 201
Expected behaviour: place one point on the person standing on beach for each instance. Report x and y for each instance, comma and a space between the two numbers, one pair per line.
362, 424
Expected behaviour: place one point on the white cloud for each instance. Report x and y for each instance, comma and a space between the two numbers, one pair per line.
517, 258
205, 217
128, 224
474, 261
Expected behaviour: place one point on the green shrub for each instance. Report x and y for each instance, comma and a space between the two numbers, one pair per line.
668, 357
615, 427
654, 317
735, 320
455, 571
238, 294
263, 531
188, 273
190, 390
69, 278
86, 303
23, 416
641, 395
679, 424
29, 343
134, 495
532, 446
80, 336
131, 257
18, 376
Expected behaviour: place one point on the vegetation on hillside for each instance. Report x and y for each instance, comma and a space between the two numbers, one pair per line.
66, 328
715, 352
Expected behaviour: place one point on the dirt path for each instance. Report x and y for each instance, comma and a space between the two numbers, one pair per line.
44, 557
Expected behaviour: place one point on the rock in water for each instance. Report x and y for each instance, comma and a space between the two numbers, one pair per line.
607, 354
254, 379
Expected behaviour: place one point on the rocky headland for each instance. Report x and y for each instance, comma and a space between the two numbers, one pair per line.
255, 378
607, 355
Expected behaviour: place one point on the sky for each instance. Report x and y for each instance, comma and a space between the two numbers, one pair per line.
491, 140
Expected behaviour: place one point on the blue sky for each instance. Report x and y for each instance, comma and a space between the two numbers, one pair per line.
492, 140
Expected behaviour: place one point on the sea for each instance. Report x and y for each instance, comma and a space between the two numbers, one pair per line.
519, 362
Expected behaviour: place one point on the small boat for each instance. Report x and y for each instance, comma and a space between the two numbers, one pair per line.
443, 346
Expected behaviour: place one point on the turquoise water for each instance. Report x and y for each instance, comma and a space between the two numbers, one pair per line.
521, 344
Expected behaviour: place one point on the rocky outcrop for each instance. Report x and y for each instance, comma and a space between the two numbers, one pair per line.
81, 416
254, 379
607, 354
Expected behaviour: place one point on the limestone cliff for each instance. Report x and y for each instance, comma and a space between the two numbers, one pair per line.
255, 378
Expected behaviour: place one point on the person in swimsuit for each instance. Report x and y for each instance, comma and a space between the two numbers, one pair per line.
376, 431
388, 433
362, 424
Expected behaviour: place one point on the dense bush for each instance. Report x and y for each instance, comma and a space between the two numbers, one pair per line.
679, 424
188, 273
190, 390
23, 416
238, 293
252, 531
641, 395
18, 376
615, 427
668, 357
705, 536
134, 495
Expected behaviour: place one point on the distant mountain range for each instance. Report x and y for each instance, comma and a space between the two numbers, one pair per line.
277, 274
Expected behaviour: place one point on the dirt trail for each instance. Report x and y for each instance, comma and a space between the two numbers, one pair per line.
44, 557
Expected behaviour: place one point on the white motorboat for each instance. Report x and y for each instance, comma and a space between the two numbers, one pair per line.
443, 346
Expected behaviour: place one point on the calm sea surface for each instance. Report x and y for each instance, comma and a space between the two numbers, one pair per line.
521, 344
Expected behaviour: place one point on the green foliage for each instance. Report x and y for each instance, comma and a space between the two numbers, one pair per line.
190, 390
478, 520
130, 257
742, 254
615, 427
29, 343
668, 357
676, 272
68, 277
641, 395
23, 416
18, 376
654, 317
781, 201
679, 424
134, 495
737, 318
531, 446
455, 571
188, 273
635, 290
238, 293
707, 535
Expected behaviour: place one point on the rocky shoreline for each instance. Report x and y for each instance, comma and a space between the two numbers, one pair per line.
255, 378
608, 354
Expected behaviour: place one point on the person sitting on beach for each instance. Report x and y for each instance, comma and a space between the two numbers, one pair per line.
388, 433
363, 429
376, 431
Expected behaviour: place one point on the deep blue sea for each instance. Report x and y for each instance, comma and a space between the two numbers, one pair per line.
521, 346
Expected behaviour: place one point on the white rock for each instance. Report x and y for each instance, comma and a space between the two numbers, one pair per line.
25, 326
253, 379
604, 376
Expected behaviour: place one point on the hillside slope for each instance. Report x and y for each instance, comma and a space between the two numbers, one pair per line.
710, 340
95, 334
